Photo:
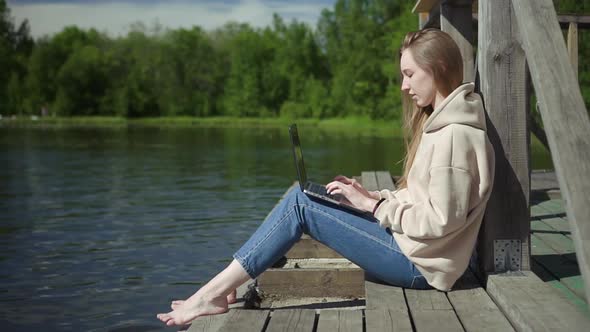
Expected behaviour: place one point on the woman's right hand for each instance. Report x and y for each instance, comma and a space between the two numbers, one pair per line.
357, 186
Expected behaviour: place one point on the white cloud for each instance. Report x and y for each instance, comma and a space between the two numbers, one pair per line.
116, 18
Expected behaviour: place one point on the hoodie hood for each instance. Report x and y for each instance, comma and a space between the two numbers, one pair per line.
462, 106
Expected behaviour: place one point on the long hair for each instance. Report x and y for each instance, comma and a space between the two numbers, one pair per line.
435, 52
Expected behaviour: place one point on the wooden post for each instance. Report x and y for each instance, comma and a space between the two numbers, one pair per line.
455, 19
572, 46
564, 115
502, 72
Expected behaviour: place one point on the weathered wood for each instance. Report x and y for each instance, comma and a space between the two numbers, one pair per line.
553, 281
568, 128
209, 323
583, 21
502, 71
340, 320
427, 299
380, 296
559, 242
384, 180
431, 311
531, 305
560, 266
369, 181
383, 319
313, 282
572, 46
475, 308
307, 247
245, 320
386, 308
291, 320
538, 131
456, 20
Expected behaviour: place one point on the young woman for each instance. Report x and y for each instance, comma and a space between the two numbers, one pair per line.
419, 236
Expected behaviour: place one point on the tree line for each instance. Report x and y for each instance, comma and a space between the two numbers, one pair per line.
346, 66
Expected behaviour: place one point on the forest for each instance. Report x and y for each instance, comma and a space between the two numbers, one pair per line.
345, 66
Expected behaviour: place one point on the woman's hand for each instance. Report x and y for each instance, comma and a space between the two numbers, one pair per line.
357, 186
357, 198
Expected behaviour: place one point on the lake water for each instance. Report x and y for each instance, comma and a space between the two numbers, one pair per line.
101, 228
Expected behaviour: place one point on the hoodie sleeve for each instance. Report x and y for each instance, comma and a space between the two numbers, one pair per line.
443, 210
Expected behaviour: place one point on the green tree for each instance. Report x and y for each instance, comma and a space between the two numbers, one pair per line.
82, 83
139, 75
15, 48
249, 55
193, 72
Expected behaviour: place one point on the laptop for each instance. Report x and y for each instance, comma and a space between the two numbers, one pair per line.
312, 189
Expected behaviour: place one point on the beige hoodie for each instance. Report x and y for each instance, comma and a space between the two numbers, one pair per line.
436, 219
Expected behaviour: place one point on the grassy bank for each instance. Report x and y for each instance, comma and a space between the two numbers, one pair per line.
354, 125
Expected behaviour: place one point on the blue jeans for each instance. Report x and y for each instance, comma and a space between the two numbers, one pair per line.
355, 236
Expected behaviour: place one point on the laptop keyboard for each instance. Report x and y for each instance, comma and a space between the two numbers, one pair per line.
320, 190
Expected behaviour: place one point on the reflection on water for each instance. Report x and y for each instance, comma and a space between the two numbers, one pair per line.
101, 229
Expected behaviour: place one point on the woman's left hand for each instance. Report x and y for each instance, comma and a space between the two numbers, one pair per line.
356, 198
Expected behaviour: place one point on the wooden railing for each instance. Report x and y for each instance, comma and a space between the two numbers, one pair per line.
564, 115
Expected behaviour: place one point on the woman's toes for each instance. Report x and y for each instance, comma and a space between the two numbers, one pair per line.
164, 317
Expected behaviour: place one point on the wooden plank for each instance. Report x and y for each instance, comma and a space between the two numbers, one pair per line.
313, 282
209, 323
502, 71
427, 299
475, 308
384, 180
574, 18
386, 308
572, 46
380, 296
564, 269
340, 320
436, 320
245, 320
456, 20
553, 281
431, 310
532, 305
559, 242
557, 89
307, 247
369, 181
554, 218
383, 319
292, 320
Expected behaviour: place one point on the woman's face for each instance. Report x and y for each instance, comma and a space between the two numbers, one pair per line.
417, 83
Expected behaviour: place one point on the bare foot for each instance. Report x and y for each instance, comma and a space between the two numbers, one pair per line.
185, 311
231, 298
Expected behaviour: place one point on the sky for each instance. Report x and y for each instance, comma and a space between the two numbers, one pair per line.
47, 17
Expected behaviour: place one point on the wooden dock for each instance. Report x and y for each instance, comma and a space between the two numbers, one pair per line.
534, 271
549, 298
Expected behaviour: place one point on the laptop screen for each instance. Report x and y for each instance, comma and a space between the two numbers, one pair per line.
298, 155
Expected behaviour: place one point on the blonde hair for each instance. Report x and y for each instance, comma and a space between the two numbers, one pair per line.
435, 52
